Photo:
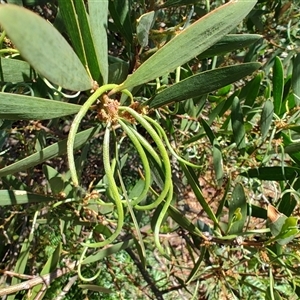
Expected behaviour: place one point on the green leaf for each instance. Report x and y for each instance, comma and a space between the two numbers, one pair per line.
183, 221
77, 23
197, 267
251, 89
120, 12
292, 148
272, 295
118, 70
55, 179
68, 14
144, 24
273, 173
95, 288
44, 48
190, 42
193, 181
49, 152
208, 131
98, 12
287, 203
19, 107
237, 120
229, 43
17, 2
99, 255
14, 70
283, 228
275, 220
237, 210
218, 162
173, 3
296, 78
288, 231
21, 263
266, 118
278, 85
8, 197
201, 84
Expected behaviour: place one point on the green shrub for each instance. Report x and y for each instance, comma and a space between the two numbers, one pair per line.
165, 116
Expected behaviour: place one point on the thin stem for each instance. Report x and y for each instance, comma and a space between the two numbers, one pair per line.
75, 125
164, 155
144, 159
112, 190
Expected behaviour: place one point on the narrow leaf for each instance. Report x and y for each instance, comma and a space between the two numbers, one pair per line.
228, 43
250, 91
266, 118
8, 197
237, 120
191, 42
197, 266
95, 288
44, 48
288, 231
218, 162
99, 255
77, 24
278, 85
191, 176
208, 131
19, 107
296, 78
14, 70
49, 152
202, 83
120, 12
273, 173
144, 24
68, 15
49, 267
237, 204
98, 12
21, 263
291, 147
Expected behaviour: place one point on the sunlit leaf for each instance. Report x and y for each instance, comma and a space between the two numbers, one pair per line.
19, 107
8, 197
98, 13
201, 84
190, 42
44, 48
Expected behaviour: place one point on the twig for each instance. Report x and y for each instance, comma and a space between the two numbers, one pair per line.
155, 290
65, 290
26, 285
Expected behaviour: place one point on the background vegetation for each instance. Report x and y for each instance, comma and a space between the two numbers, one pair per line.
178, 176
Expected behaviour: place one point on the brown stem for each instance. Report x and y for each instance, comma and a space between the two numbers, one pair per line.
26, 285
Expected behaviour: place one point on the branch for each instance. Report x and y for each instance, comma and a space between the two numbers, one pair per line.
26, 285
